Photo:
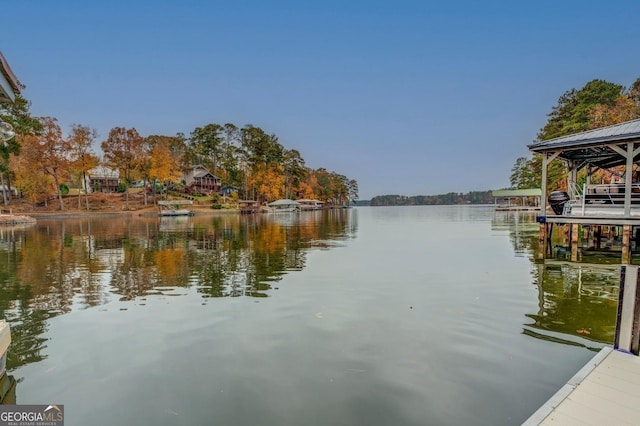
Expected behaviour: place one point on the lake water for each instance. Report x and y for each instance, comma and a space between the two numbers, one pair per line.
365, 316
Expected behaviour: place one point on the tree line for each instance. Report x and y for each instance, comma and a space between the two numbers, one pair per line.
598, 104
40, 160
473, 197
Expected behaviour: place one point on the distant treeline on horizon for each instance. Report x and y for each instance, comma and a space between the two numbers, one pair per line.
473, 197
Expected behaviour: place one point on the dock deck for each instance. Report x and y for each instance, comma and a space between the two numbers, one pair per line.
605, 391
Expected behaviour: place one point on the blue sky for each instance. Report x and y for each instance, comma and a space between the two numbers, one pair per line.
406, 97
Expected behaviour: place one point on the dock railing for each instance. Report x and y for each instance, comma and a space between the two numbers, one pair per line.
608, 198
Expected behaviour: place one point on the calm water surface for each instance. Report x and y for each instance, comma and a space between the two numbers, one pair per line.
366, 316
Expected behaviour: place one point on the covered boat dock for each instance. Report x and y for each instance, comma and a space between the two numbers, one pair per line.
517, 199
609, 198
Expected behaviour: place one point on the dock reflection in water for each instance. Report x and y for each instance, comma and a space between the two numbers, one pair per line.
7, 390
577, 302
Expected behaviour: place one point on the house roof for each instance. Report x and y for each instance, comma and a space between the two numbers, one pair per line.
285, 202
103, 172
593, 146
9, 84
203, 173
198, 171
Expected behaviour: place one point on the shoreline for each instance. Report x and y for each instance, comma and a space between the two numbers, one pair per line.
105, 214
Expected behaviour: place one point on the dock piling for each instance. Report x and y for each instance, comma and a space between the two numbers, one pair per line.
627, 335
574, 242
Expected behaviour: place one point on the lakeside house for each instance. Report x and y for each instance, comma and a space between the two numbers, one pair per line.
102, 179
198, 179
228, 190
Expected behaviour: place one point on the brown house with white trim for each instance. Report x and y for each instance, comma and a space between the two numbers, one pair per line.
198, 179
102, 179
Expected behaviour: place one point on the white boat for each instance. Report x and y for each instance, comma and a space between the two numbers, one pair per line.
173, 208
307, 204
284, 206
5, 341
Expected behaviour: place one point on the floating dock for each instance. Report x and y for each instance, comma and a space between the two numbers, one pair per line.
7, 382
605, 391
13, 219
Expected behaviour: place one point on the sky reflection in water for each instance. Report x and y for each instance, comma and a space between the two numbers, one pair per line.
414, 315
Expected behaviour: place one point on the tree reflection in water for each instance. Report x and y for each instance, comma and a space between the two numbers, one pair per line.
56, 266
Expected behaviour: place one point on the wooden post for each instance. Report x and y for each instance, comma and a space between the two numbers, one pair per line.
626, 244
586, 236
542, 241
574, 242
627, 335
627, 180
543, 185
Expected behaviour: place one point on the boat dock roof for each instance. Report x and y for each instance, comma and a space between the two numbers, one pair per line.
175, 203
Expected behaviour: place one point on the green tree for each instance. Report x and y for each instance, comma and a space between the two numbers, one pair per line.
17, 114
572, 113
206, 142
232, 154
294, 171
598, 101
260, 152
353, 190
634, 92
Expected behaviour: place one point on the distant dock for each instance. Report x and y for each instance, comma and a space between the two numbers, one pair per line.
12, 219
524, 200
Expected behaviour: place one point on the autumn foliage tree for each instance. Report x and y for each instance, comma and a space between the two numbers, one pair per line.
164, 167
599, 103
83, 159
268, 180
248, 158
50, 151
31, 180
124, 150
